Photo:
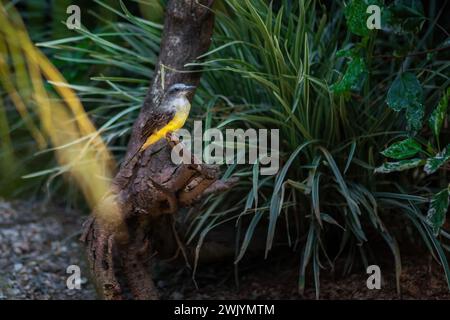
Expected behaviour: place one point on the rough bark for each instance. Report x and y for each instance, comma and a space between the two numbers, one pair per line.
134, 222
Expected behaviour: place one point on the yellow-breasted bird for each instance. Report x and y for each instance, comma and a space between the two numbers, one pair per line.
169, 116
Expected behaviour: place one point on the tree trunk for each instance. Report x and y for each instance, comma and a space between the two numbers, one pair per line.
133, 223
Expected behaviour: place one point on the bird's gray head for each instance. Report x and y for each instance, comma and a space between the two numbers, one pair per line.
179, 89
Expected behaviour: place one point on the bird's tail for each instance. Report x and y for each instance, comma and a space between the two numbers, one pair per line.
151, 140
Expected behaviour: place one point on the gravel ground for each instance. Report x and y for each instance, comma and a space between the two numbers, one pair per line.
37, 245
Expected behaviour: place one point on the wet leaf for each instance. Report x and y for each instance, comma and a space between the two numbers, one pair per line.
438, 115
406, 93
433, 164
402, 149
438, 210
405, 16
353, 76
400, 165
356, 16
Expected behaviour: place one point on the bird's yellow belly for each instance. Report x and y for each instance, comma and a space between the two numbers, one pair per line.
176, 123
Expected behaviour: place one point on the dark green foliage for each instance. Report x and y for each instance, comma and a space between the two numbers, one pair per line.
406, 16
439, 114
353, 77
406, 94
402, 149
388, 167
434, 163
438, 210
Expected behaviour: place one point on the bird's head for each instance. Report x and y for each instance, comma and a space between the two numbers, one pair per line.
179, 90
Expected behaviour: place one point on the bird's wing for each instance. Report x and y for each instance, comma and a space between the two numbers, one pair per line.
159, 120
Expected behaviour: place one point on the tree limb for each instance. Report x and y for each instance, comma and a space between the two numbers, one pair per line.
120, 234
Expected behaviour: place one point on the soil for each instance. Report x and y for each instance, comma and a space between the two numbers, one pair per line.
417, 282
38, 243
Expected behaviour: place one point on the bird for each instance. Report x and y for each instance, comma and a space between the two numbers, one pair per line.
169, 116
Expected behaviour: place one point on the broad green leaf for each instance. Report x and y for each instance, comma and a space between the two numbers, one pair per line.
356, 16
433, 164
438, 210
438, 115
353, 77
402, 149
406, 93
405, 16
400, 165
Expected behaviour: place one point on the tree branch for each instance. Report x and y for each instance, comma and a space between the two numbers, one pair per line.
130, 224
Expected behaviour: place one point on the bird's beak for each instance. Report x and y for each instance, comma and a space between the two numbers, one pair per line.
189, 91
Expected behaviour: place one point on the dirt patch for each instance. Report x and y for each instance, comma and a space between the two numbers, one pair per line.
38, 244
421, 279
36, 247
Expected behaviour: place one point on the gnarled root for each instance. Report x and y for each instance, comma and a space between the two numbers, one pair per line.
121, 268
132, 218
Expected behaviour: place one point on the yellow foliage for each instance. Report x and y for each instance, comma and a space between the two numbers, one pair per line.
79, 147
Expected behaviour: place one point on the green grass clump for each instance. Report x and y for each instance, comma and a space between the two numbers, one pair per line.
284, 69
